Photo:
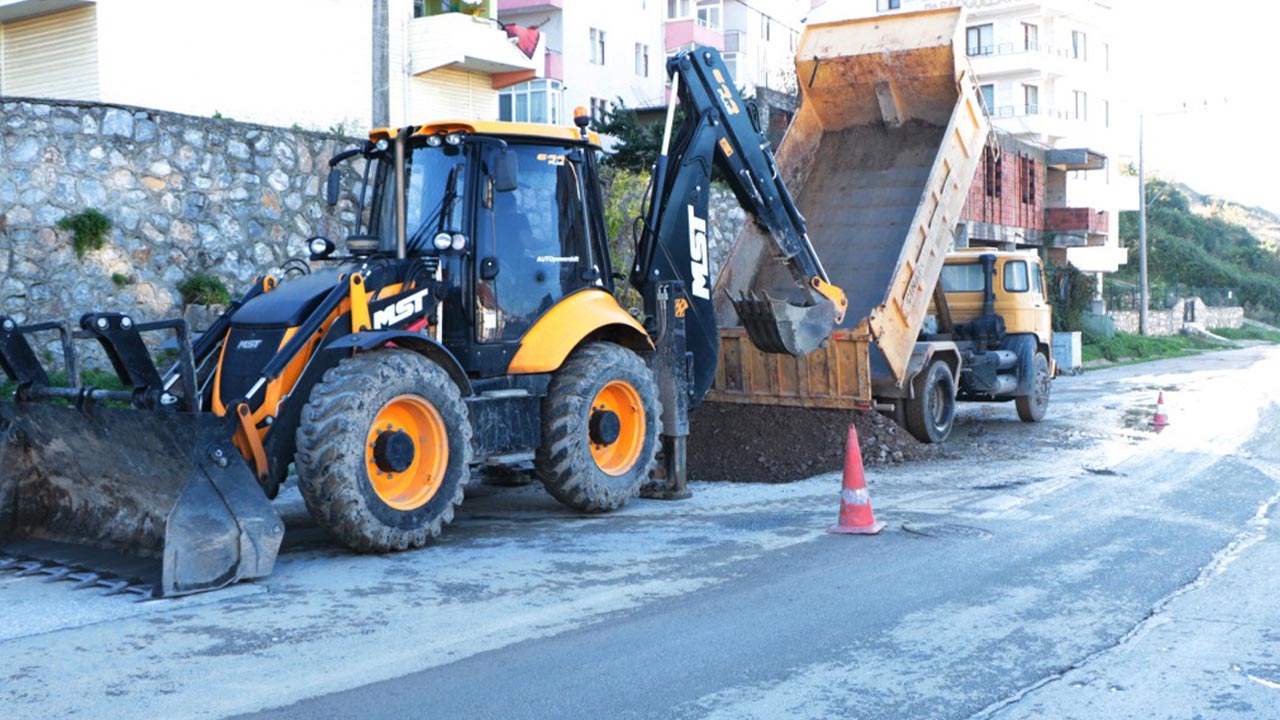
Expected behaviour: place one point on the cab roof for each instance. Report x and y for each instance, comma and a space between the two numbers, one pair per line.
485, 127
960, 255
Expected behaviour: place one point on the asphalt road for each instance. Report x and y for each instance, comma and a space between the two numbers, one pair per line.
1103, 571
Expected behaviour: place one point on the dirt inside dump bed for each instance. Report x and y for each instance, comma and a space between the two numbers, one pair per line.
858, 203
765, 443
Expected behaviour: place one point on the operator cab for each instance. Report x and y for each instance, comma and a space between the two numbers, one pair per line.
512, 213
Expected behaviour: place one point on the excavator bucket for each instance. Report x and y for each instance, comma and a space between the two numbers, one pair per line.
162, 498
784, 325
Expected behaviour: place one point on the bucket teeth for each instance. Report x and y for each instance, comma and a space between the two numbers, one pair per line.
28, 568
81, 577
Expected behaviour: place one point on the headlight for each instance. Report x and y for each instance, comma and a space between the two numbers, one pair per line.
382, 145
442, 241
459, 241
434, 140
453, 138
320, 246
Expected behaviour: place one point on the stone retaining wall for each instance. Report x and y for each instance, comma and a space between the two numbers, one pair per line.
1171, 321
185, 194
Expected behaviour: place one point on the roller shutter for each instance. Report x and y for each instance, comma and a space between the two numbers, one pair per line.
54, 56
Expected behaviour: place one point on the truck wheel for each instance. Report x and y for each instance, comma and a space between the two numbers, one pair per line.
1031, 408
932, 411
384, 449
600, 422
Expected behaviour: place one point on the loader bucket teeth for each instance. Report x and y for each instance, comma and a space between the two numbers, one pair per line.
782, 327
166, 494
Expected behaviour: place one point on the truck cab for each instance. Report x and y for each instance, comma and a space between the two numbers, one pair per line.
1019, 288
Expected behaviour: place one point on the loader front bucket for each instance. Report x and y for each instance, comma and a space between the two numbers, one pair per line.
168, 491
783, 325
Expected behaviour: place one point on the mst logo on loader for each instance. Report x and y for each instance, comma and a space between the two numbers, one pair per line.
400, 310
698, 269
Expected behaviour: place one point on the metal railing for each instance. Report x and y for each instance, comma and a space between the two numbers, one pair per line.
1121, 295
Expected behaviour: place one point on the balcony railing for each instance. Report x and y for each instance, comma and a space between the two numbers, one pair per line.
1078, 220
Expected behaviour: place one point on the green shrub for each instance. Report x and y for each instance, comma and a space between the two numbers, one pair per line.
204, 289
88, 230
120, 279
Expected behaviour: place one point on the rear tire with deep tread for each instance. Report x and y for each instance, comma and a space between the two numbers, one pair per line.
564, 461
931, 413
331, 459
1032, 408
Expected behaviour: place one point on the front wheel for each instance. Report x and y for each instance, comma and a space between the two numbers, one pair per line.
600, 422
1031, 408
384, 450
932, 411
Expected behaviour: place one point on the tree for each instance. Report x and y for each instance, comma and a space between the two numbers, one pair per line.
636, 144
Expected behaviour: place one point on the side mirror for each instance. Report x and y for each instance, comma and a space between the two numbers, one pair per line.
506, 171
333, 186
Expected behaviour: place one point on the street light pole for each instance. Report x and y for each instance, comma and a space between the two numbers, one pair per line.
1143, 298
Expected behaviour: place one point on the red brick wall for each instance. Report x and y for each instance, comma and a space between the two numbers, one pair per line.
1017, 196
1068, 219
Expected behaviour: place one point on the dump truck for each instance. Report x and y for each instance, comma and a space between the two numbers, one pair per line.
881, 156
471, 320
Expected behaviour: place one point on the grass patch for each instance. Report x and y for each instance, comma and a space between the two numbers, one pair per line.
1249, 332
204, 289
88, 230
1137, 347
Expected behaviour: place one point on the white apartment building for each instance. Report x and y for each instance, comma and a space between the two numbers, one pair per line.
1044, 69
596, 53
757, 39
279, 62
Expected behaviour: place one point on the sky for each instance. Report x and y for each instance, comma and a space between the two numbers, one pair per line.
1218, 58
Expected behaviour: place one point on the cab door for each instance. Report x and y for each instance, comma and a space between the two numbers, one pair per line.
533, 243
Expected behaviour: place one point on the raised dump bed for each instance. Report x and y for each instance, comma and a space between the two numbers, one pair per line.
881, 157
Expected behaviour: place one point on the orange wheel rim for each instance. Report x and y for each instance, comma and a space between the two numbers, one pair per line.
619, 456
413, 486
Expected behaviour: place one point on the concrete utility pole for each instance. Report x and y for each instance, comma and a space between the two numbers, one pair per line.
381, 115
1143, 298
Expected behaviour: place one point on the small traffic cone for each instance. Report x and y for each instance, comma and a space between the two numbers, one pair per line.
1160, 421
856, 516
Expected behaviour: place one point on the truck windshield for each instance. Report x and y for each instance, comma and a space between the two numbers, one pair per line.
435, 179
963, 278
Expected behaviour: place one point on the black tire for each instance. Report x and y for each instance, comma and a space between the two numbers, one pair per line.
931, 413
1031, 408
333, 465
565, 461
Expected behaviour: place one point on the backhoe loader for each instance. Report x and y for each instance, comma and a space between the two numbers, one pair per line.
471, 320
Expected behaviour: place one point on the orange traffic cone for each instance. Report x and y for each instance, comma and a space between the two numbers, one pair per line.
856, 516
1160, 420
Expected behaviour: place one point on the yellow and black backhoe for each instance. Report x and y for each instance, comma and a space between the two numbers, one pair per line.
470, 320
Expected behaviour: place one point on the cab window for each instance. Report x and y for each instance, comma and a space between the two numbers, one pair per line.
1037, 280
963, 278
1016, 279
539, 235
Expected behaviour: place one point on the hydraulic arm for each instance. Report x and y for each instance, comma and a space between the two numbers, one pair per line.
720, 129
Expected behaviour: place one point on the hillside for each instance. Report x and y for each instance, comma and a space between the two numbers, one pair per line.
1200, 242
1264, 224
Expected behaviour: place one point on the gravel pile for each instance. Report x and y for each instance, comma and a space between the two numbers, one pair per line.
759, 443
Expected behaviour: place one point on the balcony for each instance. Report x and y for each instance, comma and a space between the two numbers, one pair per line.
555, 65
528, 6
463, 42
1066, 159
1010, 59
690, 31
1085, 221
